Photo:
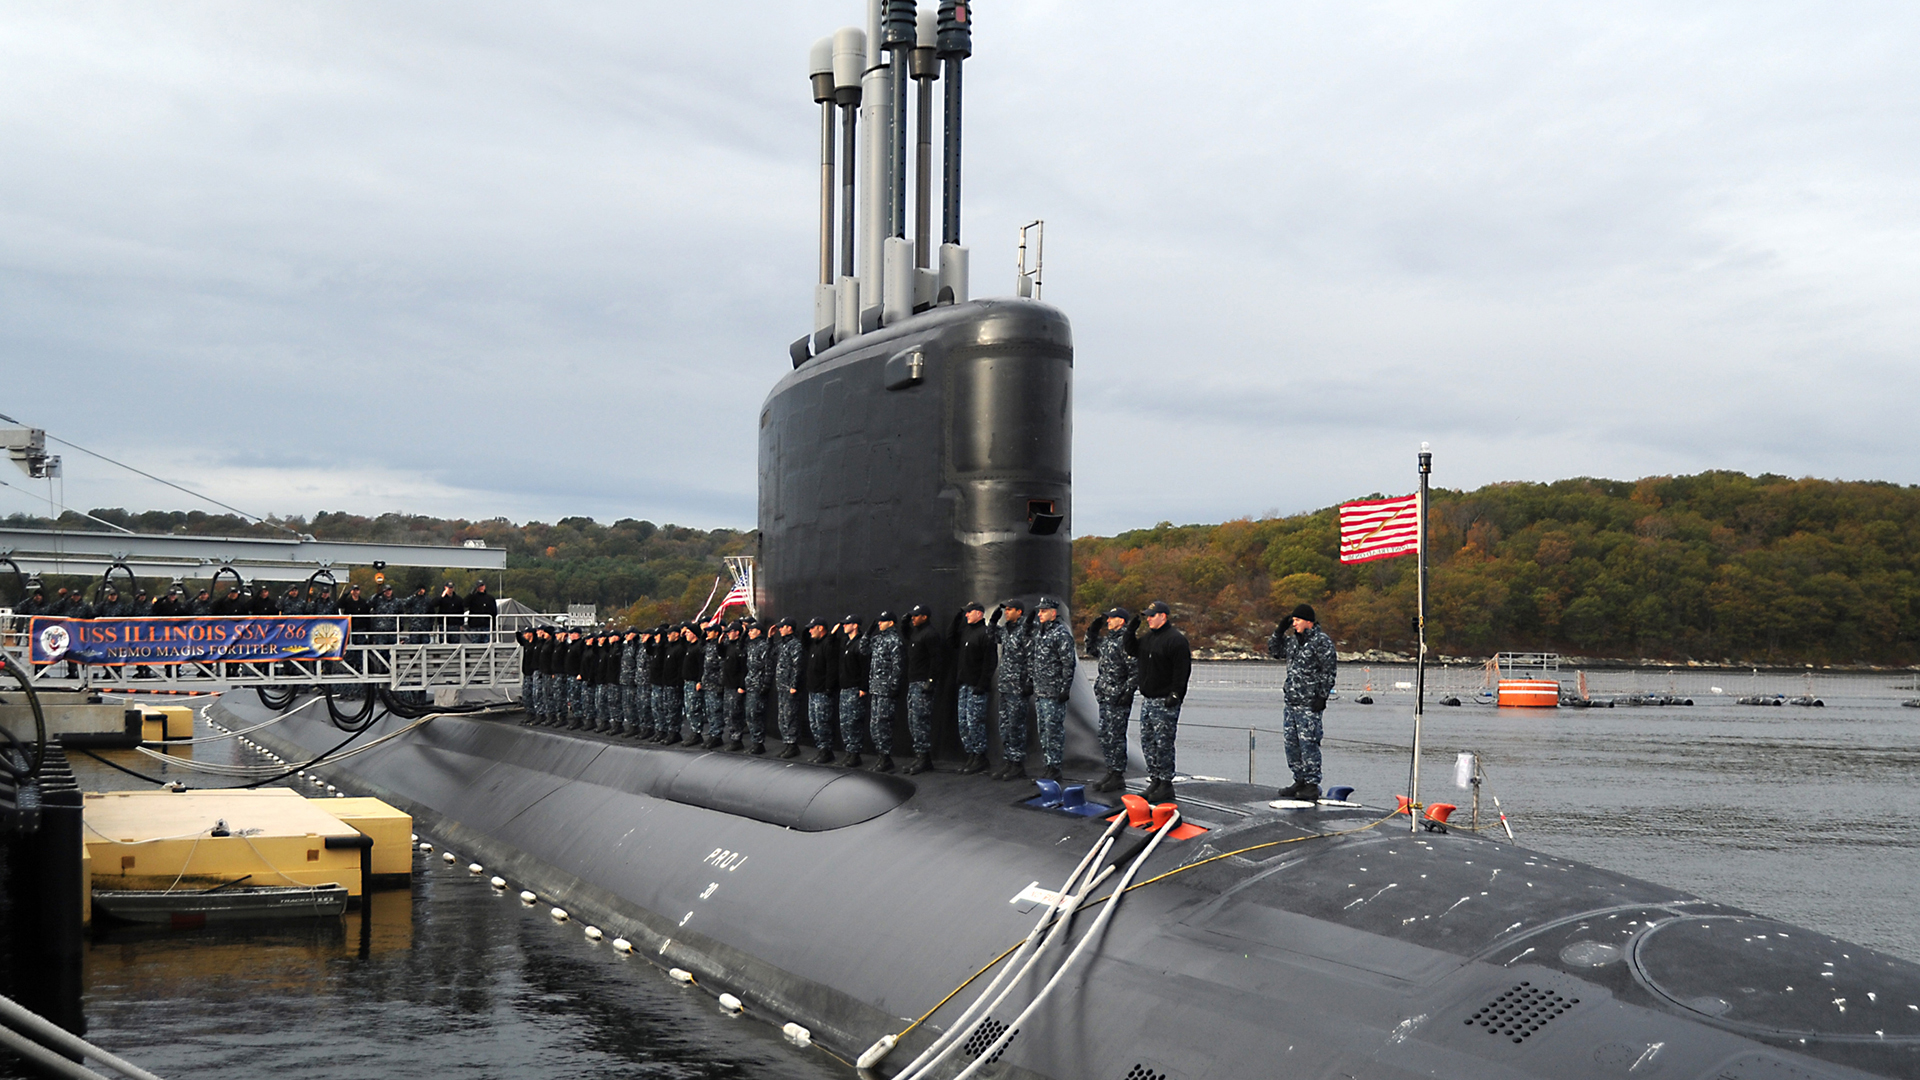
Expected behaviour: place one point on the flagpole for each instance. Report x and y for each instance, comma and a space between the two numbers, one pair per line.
1420, 655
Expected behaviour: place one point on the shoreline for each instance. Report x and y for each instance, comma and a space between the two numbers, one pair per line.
1585, 663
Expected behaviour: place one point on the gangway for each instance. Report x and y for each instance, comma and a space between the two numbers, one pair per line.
426, 652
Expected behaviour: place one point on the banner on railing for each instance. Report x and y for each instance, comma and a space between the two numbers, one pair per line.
175, 641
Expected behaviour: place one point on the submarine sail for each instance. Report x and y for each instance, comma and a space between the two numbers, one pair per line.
920, 451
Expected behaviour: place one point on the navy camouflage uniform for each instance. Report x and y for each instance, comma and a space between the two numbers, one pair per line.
759, 679
885, 673
1051, 659
1014, 682
623, 718
1114, 682
643, 685
1311, 668
789, 702
712, 690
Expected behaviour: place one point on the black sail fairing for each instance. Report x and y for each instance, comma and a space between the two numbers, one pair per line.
926, 463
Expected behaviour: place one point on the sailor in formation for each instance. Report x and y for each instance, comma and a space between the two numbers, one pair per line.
1165, 663
1116, 677
846, 684
1311, 667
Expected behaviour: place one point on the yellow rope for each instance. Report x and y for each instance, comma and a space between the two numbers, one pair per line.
957, 989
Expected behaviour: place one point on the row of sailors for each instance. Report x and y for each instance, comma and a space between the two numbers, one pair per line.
714, 685
474, 611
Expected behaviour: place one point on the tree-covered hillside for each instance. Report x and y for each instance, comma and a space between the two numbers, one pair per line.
1715, 567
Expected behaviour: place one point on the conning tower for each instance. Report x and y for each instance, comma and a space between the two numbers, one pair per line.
920, 451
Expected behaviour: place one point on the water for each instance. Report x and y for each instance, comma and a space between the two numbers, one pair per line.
1798, 813
1794, 813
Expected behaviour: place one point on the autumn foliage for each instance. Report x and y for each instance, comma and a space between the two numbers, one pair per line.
1718, 567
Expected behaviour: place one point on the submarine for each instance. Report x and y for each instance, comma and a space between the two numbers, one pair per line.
918, 451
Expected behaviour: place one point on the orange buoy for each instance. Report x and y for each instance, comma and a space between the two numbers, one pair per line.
1529, 693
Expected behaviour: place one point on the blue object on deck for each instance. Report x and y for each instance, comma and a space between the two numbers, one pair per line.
1071, 798
1340, 794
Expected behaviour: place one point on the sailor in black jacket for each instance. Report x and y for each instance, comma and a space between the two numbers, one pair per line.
926, 663
667, 710
693, 696
570, 660
670, 650
733, 681
541, 704
820, 669
1165, 664
975, 657
850, 647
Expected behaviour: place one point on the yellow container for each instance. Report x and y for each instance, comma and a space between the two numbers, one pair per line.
179, 720
153, 726
164, 840
391, 830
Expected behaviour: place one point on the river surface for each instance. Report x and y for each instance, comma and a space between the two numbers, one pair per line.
1799, 813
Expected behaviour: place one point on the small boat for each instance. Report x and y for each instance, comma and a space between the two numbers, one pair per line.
190, 910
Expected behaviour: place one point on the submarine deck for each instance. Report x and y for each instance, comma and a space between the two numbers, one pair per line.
854, 902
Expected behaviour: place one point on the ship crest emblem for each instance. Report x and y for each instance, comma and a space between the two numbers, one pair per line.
325, 638
54, 641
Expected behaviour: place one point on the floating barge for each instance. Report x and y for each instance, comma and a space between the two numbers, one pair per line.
214, 856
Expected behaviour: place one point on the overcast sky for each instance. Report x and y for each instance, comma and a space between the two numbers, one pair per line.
527, 260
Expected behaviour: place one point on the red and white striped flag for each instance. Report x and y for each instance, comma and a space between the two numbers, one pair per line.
1379, 529
737, 595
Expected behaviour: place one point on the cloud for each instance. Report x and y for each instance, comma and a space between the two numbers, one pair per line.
522, 261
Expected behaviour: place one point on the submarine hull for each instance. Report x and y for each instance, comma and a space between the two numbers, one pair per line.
929, 462
1329, 943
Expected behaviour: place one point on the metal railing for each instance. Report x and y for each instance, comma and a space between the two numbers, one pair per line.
420, 652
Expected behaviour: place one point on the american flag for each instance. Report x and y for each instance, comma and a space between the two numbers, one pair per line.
737, 595
1379, 529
